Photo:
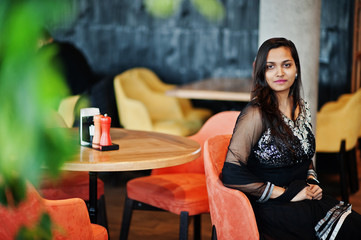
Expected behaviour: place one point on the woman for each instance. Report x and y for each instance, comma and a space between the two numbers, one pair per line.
270, 156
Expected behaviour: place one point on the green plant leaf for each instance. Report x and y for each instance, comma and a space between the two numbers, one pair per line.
31, 87
41, 231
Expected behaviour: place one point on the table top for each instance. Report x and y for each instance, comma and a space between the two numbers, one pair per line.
138, 150
225, 89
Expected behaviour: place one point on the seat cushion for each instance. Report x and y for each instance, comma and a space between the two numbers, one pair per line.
69, 185
171, 192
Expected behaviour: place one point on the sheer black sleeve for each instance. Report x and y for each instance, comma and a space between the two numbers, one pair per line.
235, 173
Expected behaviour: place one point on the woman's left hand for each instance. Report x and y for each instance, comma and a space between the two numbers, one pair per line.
315, 192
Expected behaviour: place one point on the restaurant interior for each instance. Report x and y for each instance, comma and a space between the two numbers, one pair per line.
164, 76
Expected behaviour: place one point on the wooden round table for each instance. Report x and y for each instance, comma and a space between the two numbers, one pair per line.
138, 150
221, 89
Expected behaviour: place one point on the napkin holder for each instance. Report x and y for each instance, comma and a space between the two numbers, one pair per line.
86, 128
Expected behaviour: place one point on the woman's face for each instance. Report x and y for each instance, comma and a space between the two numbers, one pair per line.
280, 70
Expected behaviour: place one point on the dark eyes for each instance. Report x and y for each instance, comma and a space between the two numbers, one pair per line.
285, 65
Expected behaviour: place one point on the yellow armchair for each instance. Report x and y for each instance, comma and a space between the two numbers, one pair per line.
155, 84
138, 115
69, 108
132, 113
159, 106
152, 80
336, 105
66, 109
337, 131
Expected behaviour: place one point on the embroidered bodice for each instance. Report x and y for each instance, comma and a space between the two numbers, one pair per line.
269, 155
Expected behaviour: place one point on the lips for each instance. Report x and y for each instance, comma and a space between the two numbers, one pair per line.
281, 81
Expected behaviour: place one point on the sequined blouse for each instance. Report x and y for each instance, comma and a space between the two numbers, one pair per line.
255, 163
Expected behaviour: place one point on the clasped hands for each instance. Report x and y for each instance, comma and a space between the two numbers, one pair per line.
310, 192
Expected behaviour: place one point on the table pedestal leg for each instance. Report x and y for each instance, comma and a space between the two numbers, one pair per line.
92, 208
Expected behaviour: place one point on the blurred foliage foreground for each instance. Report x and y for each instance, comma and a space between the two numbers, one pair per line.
30, 91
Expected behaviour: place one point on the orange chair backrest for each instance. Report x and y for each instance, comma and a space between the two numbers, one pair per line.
26, 214
231, 212
218, 124
29, 211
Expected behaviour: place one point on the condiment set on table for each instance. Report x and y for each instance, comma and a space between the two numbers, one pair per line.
94, 130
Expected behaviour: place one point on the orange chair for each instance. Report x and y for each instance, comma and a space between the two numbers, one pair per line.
74, 185
180, 189
232, 215
69, 217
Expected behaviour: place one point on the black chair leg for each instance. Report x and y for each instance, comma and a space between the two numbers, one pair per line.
102, 213
214, 233
183, 226
343, 173
352, 169
197, 227
127, 217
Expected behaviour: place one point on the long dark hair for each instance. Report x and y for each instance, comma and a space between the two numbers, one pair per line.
266, 98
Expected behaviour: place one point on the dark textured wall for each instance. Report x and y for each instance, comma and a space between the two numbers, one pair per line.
336, 49
119, 34
116, 35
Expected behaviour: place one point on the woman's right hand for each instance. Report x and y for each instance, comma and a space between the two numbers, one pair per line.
302, 195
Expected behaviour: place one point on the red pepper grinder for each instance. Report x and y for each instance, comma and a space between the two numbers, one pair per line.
105, 125
97, 131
